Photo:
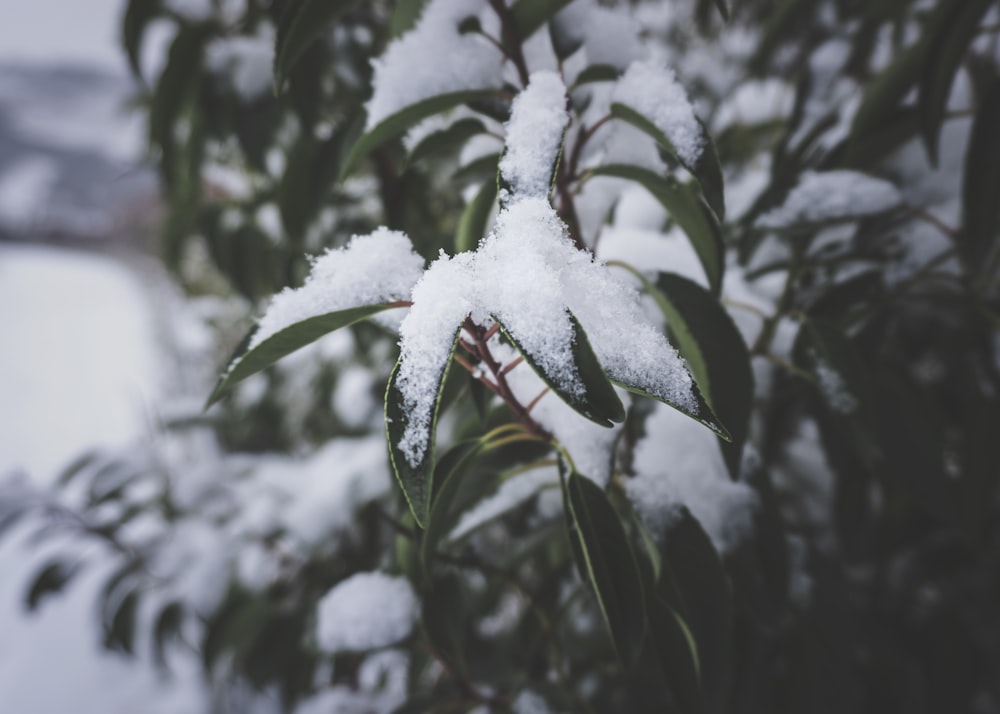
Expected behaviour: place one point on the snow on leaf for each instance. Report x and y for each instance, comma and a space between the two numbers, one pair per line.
829, 196
534, 135
366, 611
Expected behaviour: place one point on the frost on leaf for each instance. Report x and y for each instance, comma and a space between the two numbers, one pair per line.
828, 196
366, 611
534, 134
433, 58
653, 91
371, 269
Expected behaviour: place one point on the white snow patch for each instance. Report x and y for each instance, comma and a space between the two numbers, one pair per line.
366, 611
534, 134
25, 190
832, 196
511, 494
246, 61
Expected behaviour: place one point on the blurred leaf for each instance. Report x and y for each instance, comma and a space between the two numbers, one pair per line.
138, 16
611, 567
484, 168
246, 363
404, 16
981, 180
528, 16
446, 141
476, 214
687, 209
50, 580
167, 627
416, 480
953, 28
302, 23
706, 170
599, 403
596, 73
401, 121
119, 633
677, 653
706, 337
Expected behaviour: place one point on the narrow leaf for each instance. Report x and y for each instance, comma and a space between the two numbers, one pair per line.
246, 363
138, 15
446, 141
448, 472
596, 73
687, 209
50, 580
416, 481
707, 170
475, 216
528, 16
599, 402
302, 23
404, 119
611, 566
981, 182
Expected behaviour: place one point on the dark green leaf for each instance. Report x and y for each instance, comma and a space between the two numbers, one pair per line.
706, 337
528, 16
167, 627
404, 16
401, 121
596, 73
677, 654
302, 23
446, 141
840, 373
599, 403
138, 15
50, 580
286, 341
949, 43
981, 181
416, 480
448, 473
611, 565
702, 412
174, 90
485, 168
475, 216
687, 209
706, 170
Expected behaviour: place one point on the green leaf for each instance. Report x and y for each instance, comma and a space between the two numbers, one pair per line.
840, 373
484, 168
706, 170
167, 627
528, 16
687, 209
677, 653
475, 216
981, 180
948, 45
302, 23
50, 580
448, 473
611, 565
416, 481
596, 73
446, 141
248, 362
702, 412
138, 15
404, 16
599, 402
398, 123
706, 337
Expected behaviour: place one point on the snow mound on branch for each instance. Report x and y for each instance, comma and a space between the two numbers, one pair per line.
822, 196
376, 268
366, 611
431, 59
653, 90
538, 119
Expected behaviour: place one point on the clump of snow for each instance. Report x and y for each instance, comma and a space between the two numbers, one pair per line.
834, 388
529, 702
371, 269
678, 464
245, 61
823, 196
609, 37
653, 91
529, 275
366, 611
512, 493
534, 134
755, 102
353, 399
433, 58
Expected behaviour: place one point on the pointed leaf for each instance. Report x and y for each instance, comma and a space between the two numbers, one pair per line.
687, 209
528, 16
416, 480
404, 16
302, 23
401, 121
475, 216
702, 412
707, 170
50, 580
445, 141
599, 403
596, 73
246, 363
677, 654
448, 473
611, 566
981, 182
138, 15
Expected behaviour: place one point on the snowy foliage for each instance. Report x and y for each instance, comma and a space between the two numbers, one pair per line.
366, 611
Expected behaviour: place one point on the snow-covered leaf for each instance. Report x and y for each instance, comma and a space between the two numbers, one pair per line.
301, 24
610, 565
399, 122
597, 400
686, 208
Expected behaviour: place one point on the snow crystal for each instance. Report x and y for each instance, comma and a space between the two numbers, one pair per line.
527, 273
652, 90
432, 59
534, 135
678, 463
512, 493
371, 269
831, 196
366, 611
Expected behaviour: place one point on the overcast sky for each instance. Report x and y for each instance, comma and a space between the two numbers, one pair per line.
62, 32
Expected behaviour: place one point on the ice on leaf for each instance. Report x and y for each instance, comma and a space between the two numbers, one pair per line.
828, 196
433, 58
534, 134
